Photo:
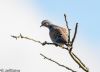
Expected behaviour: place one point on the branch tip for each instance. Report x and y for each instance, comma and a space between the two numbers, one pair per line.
74, 34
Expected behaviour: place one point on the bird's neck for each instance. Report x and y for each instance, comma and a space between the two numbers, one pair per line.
51, 27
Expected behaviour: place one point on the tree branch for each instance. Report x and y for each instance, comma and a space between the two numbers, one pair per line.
70, 47
67, 28
24, 37
42, 43
74, 33
57, 63
79, 62
74, 57
66, 21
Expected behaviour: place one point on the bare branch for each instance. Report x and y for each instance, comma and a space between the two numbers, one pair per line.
79, 62
70, 46
68, 35
74, 33
78, 59
67, 28
66, 21
74, 57
42, 43
21, 36
57, 63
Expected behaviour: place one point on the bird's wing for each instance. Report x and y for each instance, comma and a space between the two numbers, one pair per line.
64, 30
61, 33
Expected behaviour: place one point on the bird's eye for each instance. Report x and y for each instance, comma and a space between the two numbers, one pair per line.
44, 23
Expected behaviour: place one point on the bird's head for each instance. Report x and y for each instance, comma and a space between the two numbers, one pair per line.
45, 23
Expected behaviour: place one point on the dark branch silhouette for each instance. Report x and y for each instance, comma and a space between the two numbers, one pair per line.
66, 21
70, 46
57, 63
75, 33
42, 43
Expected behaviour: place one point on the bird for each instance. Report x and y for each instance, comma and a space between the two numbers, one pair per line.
58, 35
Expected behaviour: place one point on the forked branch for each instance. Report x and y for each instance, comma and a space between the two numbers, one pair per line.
79, 62
74, 57
44, 43
70, 46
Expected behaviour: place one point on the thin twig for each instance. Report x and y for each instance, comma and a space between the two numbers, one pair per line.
79, 62
67, 28
66, 21
70, 46
74, 33
24, 37
78, 59
57, 63
42, 43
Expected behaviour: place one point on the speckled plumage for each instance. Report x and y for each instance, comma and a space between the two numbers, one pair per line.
58, 35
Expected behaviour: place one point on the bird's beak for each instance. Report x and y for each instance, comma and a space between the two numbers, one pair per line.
41, 25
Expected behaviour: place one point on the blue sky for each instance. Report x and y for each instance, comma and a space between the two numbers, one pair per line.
85, 12
25, 16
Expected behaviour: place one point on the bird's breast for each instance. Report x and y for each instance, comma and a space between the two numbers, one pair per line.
58, 36
53, 35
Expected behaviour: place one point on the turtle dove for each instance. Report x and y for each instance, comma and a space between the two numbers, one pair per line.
58, 35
